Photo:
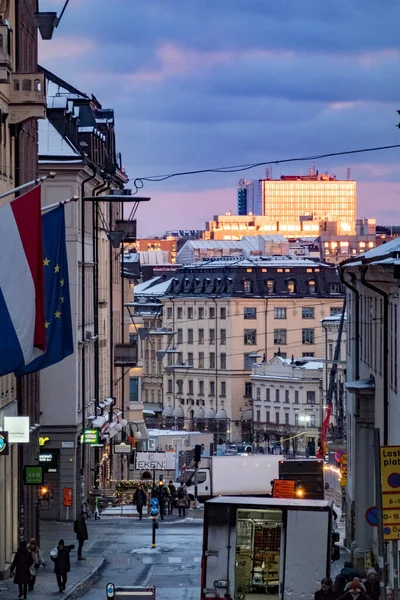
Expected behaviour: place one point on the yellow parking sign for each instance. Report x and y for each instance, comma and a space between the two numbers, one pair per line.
390, 481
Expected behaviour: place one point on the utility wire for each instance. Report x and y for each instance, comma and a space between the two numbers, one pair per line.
138, 182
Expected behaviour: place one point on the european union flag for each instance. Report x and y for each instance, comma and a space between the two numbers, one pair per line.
59, 340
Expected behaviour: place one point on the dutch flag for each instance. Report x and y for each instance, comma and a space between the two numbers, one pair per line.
22, 324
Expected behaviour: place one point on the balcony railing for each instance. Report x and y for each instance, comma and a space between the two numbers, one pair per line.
126, 355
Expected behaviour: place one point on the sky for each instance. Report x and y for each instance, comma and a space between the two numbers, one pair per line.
199, 84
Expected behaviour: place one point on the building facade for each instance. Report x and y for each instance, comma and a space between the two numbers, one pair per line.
223, 315
372, 282
287, 404
77, 140
22, 103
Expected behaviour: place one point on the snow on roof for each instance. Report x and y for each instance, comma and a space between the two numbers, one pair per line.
333, 318
51, 143
256, 261
151, 288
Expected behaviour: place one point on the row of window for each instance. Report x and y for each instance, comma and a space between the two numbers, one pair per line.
201, 313
311, 420
200, 338
200, 387
307, 312
200, 361
310, 395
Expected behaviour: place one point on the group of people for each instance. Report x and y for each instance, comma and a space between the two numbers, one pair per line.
351, 585
168, 496
29, 558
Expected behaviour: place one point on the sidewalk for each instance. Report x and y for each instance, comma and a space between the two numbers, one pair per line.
128, 510
46, 583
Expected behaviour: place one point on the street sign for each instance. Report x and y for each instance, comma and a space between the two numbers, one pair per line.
151, 460
154, 507
18, 429
125, 592
67, 497
122, 448
283, 488
343, 470
390, 480
372, 516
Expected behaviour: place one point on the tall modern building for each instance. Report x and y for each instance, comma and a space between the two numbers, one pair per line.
296, 205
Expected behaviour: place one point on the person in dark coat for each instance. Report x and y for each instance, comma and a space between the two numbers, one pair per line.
81, 533
140, 500
62, 564
21, 566
345, 576
355, 592
372, 586
326, 591
183, 501
172, 497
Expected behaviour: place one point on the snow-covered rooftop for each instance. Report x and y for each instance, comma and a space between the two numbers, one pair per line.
51, 143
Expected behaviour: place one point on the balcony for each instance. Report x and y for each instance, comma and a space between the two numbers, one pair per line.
27, 97
126, 355
129, 229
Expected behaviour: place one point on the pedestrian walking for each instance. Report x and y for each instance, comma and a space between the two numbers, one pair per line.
347, 588
389, 593
172, 497
326, 591
355, 592
372, 585
38, 561
81, 531
21, 567
163, 499
346, 575
62, 565
96, 509
140, 500
183, 501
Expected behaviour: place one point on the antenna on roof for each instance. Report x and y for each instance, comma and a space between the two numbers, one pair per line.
267, 173
348, 173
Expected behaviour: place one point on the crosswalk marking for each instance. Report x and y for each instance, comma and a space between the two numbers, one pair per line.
174, 559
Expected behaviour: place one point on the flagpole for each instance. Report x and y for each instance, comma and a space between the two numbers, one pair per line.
37, 181
61, 203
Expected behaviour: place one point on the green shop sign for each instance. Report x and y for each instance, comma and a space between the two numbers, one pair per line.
33, 475
91, 436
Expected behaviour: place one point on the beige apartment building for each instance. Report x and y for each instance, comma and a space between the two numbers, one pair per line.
224, 315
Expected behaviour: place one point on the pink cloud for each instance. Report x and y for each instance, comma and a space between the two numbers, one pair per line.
65, 47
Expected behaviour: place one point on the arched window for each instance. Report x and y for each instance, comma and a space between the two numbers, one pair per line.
291, 286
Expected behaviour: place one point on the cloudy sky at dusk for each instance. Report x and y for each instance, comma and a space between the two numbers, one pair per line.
209, 83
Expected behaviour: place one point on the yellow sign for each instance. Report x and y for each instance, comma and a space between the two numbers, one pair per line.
390, 480
43, 440
343, 470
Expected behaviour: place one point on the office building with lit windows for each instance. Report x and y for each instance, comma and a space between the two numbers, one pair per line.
294, 206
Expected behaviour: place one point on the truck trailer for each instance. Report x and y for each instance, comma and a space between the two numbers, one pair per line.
271, 546
233, 476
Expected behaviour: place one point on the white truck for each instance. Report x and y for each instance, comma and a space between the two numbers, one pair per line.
233, 476
273, 546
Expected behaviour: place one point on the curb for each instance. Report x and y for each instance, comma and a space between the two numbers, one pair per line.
82, 581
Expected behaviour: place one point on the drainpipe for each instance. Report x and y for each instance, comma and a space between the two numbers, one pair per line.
83, 301
216, 354
385, 377
356, 319
95, 216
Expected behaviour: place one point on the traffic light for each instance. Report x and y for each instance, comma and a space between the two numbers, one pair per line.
197, 453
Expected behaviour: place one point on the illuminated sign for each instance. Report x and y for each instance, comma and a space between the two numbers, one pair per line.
4, 443
91, 436
43, 440
18, 429
33, 475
